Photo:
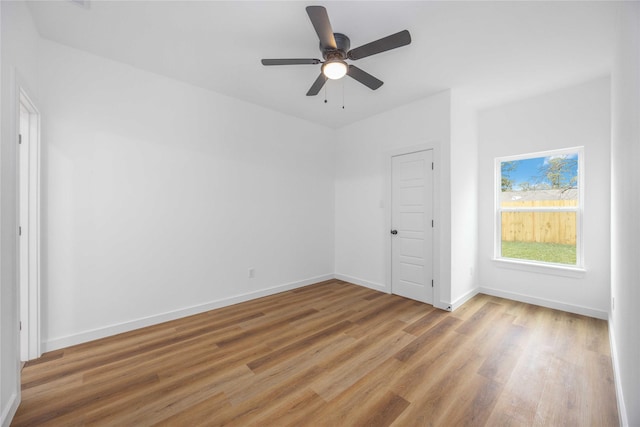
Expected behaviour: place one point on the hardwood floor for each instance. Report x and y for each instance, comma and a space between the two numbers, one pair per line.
335, 354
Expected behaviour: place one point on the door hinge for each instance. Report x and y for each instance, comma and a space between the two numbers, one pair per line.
21, 325
431, 165
431, 223
19, 139
19, 231
432, 283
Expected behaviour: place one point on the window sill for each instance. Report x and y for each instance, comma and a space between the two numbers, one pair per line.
533, 267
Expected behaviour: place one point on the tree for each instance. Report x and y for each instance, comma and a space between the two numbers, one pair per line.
526, 186
506, 169
560, 172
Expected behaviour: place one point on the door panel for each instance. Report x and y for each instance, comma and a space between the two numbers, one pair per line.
412, 248
411, 216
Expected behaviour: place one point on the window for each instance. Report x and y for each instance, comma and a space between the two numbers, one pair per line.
539, 205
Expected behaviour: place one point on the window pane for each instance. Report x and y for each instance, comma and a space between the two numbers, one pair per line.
540, 181
539, 236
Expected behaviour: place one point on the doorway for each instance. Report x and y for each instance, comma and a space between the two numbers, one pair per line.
29, 226
412, 225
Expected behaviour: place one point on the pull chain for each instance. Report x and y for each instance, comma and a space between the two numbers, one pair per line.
325, 94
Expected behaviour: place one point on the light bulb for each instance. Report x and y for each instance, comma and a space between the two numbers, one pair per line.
334, 69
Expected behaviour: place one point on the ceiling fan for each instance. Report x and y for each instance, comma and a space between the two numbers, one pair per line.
335, 51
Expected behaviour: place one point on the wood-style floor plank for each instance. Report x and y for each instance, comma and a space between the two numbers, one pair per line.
334, 354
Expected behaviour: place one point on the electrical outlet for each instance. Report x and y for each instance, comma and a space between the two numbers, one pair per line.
252, 273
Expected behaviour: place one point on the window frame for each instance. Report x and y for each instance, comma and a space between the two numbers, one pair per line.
534, 265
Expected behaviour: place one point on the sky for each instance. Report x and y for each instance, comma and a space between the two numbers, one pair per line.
528, 170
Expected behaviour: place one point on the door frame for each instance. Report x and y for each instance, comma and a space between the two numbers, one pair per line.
29, 222
386, 204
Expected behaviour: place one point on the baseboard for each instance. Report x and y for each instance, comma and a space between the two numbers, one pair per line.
382, 288
577, 309
464, 298
94, 334
361, 282
10, 410
622, 410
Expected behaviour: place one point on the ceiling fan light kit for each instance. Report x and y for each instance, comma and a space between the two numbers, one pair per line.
335, 51
335, 69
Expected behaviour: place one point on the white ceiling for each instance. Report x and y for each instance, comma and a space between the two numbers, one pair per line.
491, 51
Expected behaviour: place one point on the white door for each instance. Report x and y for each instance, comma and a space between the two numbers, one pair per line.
23, 177
412, 225
29, 228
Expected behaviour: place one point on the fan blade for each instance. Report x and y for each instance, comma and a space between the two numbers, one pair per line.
393, 41
363, 77
317, 85
290, 61
320, 20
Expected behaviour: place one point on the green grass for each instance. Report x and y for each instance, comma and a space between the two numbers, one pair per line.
545, 252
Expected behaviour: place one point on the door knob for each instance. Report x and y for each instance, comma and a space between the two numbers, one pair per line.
394, 231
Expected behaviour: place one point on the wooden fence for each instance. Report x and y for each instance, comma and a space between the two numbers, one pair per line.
544, 227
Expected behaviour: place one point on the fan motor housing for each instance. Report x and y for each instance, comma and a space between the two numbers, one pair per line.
342, 47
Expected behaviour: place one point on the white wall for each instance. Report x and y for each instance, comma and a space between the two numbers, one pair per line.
575, 116
159, 196
18, 40
361, 211
464, 200
625, 205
